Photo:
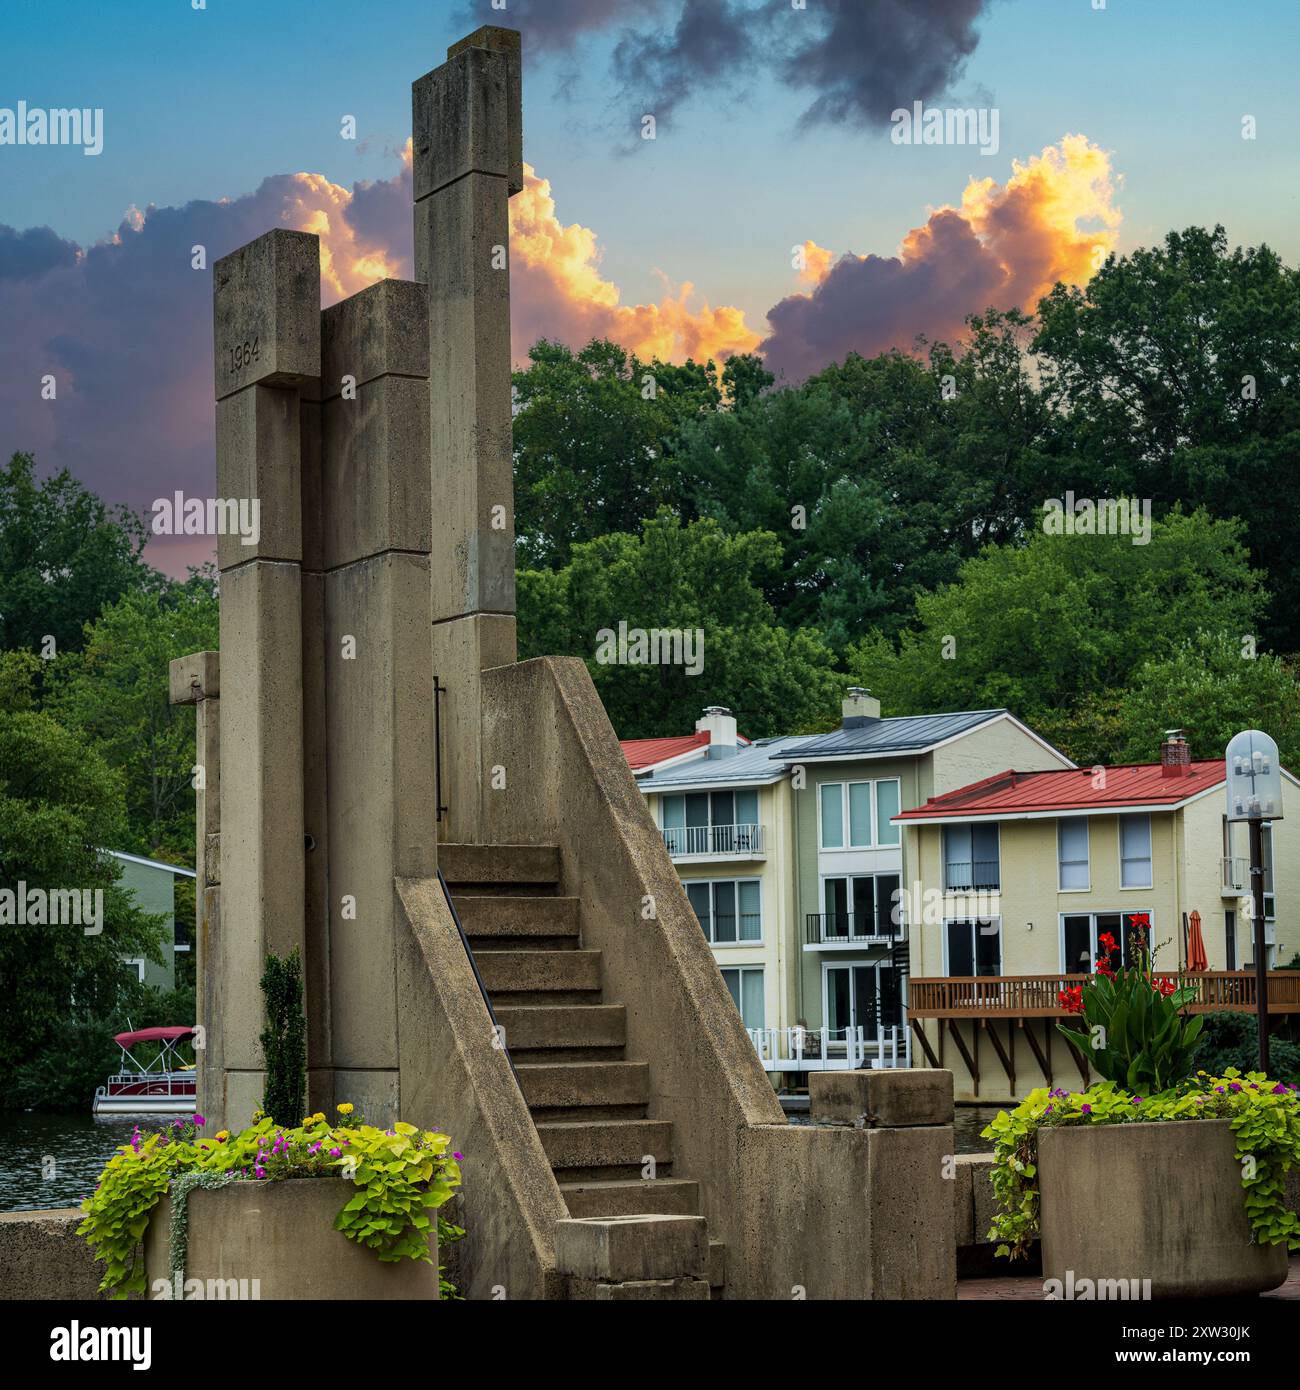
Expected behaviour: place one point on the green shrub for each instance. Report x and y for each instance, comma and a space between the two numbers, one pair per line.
284, 1039
1232, 1040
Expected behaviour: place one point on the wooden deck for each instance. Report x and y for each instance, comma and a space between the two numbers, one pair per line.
1018, 1000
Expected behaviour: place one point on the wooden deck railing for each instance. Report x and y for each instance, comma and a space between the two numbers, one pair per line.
1036, 996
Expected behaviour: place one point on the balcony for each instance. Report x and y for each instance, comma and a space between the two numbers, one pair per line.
1235, 877
844, 929
972, 876
716, 841
1037, 996
831, 1049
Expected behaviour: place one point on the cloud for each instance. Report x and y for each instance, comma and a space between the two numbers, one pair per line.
559, 292
125, 326
1006, 246
859, 59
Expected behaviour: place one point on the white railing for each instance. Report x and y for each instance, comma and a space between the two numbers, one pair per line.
1236, 874
831, 1049
714, 839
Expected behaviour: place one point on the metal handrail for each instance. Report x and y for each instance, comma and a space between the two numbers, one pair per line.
482, 988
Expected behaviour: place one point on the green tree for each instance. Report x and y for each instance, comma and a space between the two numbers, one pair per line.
61, 807
1038, 627
1174, 369
685, 577
594, 439
64, 555
115, 691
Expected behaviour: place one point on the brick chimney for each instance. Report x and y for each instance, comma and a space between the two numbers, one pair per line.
1175, 755
859, 707
720, 725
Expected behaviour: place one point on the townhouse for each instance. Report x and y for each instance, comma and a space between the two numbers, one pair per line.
1030, 868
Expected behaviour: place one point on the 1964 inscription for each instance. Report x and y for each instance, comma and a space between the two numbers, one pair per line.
243, 355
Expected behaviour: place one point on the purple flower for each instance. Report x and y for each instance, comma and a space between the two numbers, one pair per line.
1281, 1089
458, 1157
1087, 1109
1234, 1085
336, 1153
198, 1120
1137, 1100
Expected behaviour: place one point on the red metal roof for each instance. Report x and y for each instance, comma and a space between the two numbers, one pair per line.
1013, 793
649, 752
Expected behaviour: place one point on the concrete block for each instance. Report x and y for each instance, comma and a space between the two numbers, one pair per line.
309, 459
982, 1196
375, 471
466, 118
267, 312
282, 1235
382, 330
258, 461
509, 42
616, 1249
195, 677
963, 1200
1174, 1210
43, 1257
883, 1098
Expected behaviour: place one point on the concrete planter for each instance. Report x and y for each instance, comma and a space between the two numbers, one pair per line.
1159, 1201
280, 1234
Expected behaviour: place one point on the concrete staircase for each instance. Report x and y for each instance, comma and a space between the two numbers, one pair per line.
588, 1100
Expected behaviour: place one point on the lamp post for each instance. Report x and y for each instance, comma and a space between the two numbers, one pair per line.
1254, 785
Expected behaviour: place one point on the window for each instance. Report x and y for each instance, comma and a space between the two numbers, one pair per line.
1081, 934
721, 822
1072, 854
729, 910
974, 947
858, 906
863, 996
746, 986
864, 809
970, 857
1135, 851
1266, 845
1230, 938
136, 965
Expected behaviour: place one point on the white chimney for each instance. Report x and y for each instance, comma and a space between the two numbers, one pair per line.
720, 724
859, 707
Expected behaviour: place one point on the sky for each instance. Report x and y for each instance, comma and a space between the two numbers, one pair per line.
772, 212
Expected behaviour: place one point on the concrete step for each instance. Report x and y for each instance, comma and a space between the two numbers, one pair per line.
508, 975
531, 1027
490, 865
587, 1146
495, 922
633, 1197
554, 1085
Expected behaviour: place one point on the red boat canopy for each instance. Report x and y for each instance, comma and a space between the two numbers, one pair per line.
152, 1035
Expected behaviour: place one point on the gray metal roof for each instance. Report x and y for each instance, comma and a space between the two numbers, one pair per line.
905, 734
753, 764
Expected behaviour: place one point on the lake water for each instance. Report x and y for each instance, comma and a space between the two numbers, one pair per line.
52, 1159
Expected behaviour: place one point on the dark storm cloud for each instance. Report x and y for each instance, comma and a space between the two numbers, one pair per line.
859, 59
32, 252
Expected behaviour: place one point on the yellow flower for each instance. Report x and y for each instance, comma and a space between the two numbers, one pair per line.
222, 1135
346, 1108
318, 1118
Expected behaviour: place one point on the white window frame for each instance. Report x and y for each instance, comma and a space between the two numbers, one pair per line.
1093, 914
846, 820
965, 917
943, 856
741, 971
137, 962
851, 965
1086, 822
758, 940
1151, 853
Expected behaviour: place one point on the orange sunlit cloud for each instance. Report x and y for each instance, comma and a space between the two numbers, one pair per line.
1054, 219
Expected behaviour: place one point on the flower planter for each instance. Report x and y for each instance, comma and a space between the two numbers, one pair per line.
282, 1235
1159, 1201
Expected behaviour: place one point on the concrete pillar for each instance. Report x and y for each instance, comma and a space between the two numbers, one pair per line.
267, 342
380, 761
196, 680
467, 163
634, 1258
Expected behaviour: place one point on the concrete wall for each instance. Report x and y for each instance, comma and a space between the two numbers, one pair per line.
567, 783
43, 1257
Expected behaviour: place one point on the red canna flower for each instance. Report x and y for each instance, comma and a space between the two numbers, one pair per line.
1107, 942
1071, 1000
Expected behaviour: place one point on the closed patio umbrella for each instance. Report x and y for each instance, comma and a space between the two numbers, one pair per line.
1196, 957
